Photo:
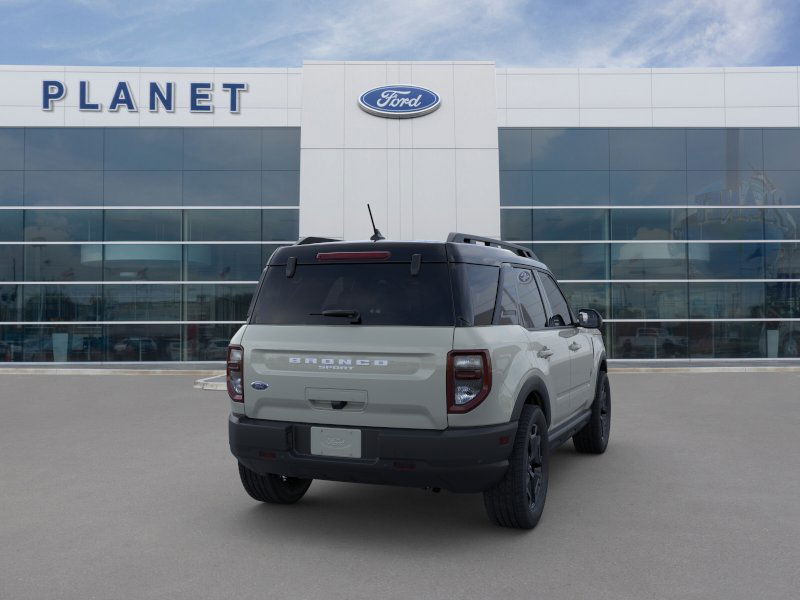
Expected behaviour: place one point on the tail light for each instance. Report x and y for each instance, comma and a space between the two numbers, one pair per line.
469, 379
235, 373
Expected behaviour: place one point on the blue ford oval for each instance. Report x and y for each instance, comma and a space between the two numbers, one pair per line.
399, 101
259, 385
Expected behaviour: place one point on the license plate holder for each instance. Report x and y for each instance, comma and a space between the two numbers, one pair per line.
335, 441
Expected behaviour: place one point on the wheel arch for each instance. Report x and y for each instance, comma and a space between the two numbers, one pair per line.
533, 391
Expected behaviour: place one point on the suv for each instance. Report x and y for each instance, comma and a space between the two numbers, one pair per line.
456, 365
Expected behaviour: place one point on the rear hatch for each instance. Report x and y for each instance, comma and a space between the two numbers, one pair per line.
341, 337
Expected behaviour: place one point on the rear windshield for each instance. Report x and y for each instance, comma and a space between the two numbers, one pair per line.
382, 294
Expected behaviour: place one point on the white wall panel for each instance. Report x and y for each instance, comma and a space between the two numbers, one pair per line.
774, 116
624, 90
365, 181
474, 94
433, 209
760, 88
323, 105
362, 130
543, 90
616, 117
689, 117
436, 130
476, 181
542, 117
688, 89
322, 196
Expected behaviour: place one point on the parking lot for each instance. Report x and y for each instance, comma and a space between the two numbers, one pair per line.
116, 486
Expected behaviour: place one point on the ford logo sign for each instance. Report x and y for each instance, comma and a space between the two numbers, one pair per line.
259, 385
399, 101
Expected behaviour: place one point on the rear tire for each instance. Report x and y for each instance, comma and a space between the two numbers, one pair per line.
518, 500
275, 489
593, 438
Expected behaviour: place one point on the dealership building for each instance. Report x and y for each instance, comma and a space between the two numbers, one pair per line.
138, 206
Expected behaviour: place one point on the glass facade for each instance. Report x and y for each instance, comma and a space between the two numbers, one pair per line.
685, 240
138, 244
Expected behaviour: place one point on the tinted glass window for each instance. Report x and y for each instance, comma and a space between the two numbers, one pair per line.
10, 225
727, 340
280, 148
221, 148
11, 188
221, 188
208, 342
584, 224
558, 304
648, 149
723, 149
783, 299
515, 149
570, 149
64, 343
648, 187
726, 261
63, 225
63, 148
142, 302
649, 224
477, 292
782, 149
280, 224
575, 261
10, 305
516, 188
222, 225
218, 302
648, 261
530, 301
382, 294
644, 300
587, 295
782, 261
143, 148
726, 223
12, 144
143, 342
142, 188
507, 311
11, 263
650, 339
62, 302
726, 300
232, 262
730, 188
280, 188
146, 262
556, 188
68, 262
64, 188
142, 225
516, 224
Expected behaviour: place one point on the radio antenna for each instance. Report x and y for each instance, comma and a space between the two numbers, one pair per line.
377, 235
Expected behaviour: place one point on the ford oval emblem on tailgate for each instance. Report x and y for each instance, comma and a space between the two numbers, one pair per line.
259, 385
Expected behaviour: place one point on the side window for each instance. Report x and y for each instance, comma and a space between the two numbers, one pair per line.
476, 292
530, 301
557, 301
507, 299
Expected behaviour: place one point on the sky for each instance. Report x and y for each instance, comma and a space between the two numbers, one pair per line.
565, 33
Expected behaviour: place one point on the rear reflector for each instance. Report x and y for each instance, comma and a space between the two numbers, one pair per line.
367, 255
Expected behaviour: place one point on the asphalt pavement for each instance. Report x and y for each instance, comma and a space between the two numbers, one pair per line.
115, 486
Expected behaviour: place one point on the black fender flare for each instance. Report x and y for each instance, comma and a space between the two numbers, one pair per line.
534, 384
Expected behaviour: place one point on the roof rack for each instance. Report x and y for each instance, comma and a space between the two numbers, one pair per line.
466, 238
315, 240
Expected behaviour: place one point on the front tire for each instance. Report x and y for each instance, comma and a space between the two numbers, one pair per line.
518, 500
274, 489
593, 438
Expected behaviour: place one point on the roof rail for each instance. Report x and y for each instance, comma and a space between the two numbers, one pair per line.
466, 238
315, 240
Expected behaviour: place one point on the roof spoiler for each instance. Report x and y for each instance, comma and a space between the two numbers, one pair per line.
315, 240
466, 238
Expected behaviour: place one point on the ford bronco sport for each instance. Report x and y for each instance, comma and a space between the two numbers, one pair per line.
456, 365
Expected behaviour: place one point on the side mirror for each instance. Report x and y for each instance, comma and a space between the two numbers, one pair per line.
589, 318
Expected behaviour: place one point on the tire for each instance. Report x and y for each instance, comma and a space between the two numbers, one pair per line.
274, 489
518, 500
593, 438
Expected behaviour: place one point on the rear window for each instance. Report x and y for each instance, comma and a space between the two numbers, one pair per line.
382, 294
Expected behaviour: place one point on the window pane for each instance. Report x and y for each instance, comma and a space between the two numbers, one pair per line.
726, 300
143, 148
515, 149
280, 188
153, 262
783, 299
559, 188
530, 300
63, 148
649, 300
221, 188
143, 225
218, 302
62, 303
143, 188
648, 261
63, 225
729, 188
726, 261
68, 262
724, 149
280, 224
782, 261
727, 340
726, 224
63, 343
222, 225
651, 339
11, 188
508, 313
649, 224
63, 188
10, 225
221, 148
142, 302
782, 148
580, 224
208, 342
516, 224
570, 149
281, 148
11, 340
781, 223
558, 304
516, 188
648, 187
235, 262
143, 342
783, 187
12, 147
575, 261
11, 263
10, 309
784, 341
648, 149
477, 292
587, 295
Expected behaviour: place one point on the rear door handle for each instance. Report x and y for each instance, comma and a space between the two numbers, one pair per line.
574, 346
545, 352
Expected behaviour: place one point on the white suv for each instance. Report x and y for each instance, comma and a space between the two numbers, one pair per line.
456, 365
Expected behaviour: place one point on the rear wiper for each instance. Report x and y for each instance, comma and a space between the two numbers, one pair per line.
353, 315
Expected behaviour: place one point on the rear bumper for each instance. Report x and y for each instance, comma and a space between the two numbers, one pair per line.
460, 460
